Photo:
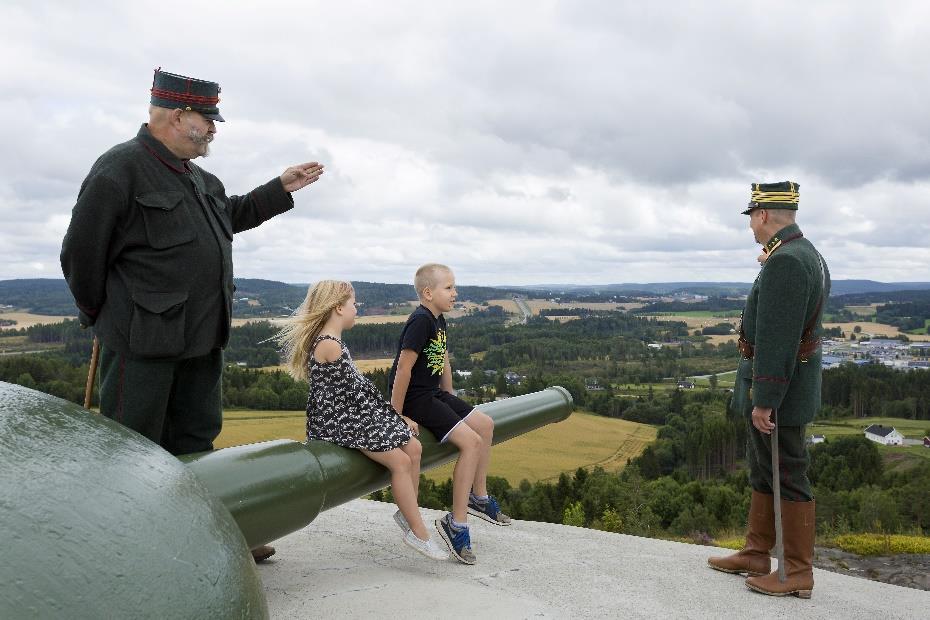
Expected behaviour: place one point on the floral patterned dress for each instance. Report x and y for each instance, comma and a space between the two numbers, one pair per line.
347, 409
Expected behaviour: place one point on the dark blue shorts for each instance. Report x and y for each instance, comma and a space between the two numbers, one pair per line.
439, 413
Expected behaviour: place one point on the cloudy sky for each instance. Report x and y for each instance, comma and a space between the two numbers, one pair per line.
519, 142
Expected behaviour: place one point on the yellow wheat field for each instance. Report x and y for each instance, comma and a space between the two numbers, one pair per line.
26, 319
878, 330
584, 440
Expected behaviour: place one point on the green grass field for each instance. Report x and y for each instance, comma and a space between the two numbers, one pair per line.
724, 380
895, 457
912, 429
583, 440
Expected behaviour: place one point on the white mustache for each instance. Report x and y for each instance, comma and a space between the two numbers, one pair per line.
204, 138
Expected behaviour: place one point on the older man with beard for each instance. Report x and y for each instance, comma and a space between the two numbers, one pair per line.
148, 258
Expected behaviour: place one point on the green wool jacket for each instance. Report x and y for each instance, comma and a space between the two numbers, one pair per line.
783, 300
148, 252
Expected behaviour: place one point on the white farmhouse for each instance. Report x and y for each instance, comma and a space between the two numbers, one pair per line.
886, 435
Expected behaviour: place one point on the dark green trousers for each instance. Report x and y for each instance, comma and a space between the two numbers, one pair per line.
793, 462
178, 405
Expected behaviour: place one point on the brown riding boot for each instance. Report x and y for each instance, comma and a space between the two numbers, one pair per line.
262, 553
798, 529
754, 558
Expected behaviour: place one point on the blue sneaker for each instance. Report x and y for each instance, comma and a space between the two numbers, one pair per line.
458, 540
487, 509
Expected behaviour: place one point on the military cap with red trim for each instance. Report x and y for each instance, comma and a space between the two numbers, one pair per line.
783, 195
178, 91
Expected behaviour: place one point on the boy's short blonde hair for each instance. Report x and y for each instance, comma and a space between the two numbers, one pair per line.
427, 276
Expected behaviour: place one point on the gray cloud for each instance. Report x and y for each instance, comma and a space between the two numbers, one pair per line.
521, 142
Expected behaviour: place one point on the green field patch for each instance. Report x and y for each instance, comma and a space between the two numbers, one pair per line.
724, 380
895, 458
912, 429
861, 310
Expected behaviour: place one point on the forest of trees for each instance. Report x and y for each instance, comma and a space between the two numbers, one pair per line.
906, 310
691, 483
875, 390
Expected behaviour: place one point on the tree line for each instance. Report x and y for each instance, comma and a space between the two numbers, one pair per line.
873, 390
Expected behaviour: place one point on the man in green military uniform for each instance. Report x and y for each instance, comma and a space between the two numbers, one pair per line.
148, 258
778, 388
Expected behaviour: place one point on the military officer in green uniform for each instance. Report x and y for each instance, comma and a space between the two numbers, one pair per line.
778, 388
148, 258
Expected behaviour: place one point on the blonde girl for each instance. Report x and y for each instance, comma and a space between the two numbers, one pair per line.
347, 409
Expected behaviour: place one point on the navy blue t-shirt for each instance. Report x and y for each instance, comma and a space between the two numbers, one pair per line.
425, 334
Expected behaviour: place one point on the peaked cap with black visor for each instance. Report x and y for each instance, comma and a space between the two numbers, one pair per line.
783, 195
173, 91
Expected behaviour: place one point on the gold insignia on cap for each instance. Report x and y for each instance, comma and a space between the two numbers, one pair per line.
761, 196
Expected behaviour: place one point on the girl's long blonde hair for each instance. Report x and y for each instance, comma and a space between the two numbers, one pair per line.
301, 329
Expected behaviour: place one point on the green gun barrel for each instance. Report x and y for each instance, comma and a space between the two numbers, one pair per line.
277, 487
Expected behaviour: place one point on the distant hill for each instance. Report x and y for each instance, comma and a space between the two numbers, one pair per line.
253, 297
645, 289
846, 287
38, 295
717, 289
51, 296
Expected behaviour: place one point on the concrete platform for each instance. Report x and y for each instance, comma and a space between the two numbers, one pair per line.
350, 563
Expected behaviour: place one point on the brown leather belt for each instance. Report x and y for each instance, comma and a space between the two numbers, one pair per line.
807, 347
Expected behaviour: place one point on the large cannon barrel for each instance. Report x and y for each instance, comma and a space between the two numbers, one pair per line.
277, 487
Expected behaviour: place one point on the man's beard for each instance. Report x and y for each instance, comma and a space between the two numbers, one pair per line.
201, 140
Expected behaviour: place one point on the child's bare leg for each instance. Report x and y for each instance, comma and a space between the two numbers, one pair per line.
469, 444
398, 462
482, 424
414, 449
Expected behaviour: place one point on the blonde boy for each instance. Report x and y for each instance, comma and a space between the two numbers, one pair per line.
421, 389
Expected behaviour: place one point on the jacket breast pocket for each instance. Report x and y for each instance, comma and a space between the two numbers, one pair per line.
167, 224
222, 215
156, 328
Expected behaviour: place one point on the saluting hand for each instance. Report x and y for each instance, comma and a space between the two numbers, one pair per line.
301, 175
762, 419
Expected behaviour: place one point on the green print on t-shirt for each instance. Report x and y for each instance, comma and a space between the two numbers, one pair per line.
435, 353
